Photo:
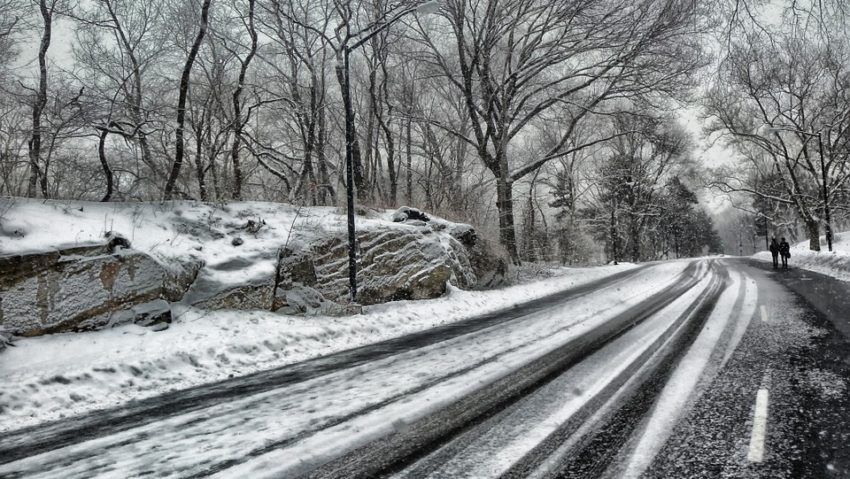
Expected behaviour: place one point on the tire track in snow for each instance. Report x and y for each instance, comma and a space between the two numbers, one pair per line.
395, 451
695, 367
513, 443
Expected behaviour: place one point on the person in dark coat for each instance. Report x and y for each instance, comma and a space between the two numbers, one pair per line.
785, 252
774, 251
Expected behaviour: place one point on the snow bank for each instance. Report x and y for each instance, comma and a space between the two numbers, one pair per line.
54, 376
835, 264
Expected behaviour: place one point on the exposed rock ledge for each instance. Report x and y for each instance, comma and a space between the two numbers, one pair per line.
81, 288
97, 285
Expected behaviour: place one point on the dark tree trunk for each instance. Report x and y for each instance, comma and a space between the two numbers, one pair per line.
39, 102
107, 171
505, 205
199, 163
388, 134
409, 164
635, 239
181, 101
238, 121
324, 176
615, 236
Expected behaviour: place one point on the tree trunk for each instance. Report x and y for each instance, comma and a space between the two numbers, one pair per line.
238, 121
181, 101
409, 178
615, 235
388, 133
324, 176
813, 230
199, 163
107, 171
530, 233
40, 100
505, 205
635, 239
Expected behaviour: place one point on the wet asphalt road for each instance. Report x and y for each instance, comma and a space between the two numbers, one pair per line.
796, 347
799, 350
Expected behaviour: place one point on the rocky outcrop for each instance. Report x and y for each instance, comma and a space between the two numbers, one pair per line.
97, 285
74, 289
413, 260
215, 288
179, 278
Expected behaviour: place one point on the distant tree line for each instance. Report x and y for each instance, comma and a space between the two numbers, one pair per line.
781, 99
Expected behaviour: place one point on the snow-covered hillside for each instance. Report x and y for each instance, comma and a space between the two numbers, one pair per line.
246, 256
176, 232
835, 263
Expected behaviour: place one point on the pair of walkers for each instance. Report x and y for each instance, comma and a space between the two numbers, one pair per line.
780, 249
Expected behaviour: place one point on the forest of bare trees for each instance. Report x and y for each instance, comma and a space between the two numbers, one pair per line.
781, 98
547, 124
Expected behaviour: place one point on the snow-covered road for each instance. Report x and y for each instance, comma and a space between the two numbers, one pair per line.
522, 393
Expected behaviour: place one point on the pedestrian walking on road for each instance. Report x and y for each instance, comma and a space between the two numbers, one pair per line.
785, 252
774, 251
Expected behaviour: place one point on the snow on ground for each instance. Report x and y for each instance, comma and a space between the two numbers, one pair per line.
175, 232
511, 436
694, 367
511, 346
304, 420
835, 264
54, 376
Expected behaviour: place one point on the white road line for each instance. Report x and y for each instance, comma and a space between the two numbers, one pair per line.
763, 313
759, 428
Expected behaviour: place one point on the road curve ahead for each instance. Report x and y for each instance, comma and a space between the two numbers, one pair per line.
708, 368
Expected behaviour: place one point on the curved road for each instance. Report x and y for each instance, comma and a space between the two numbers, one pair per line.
709, 368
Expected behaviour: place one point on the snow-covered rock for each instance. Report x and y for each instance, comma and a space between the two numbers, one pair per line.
74, 289
394, 263
60, 271
406, 213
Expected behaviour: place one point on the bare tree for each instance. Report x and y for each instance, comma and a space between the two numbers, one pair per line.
299, 74
181, 101
117, 45
781, 97
46, 8
11, 22
516, 60
239, 118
